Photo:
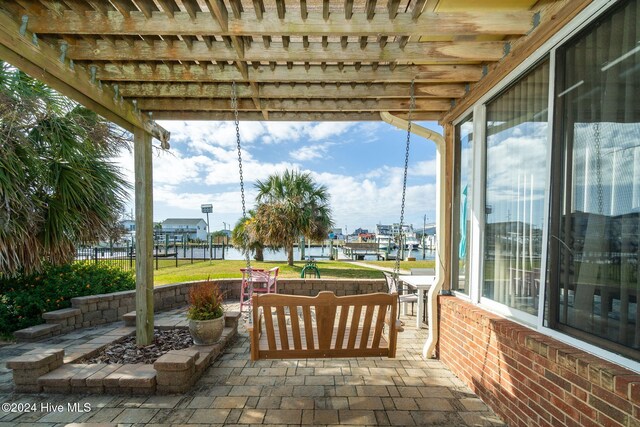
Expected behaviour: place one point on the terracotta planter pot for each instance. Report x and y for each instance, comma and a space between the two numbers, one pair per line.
206, 332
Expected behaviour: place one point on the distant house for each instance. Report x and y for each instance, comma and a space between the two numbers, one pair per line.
366, 237
336, 233
192, 228
129, 225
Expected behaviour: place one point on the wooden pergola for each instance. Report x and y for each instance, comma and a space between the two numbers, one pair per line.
136, 61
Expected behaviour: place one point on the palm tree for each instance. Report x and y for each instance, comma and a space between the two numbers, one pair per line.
242, 239
289, 206
58, 186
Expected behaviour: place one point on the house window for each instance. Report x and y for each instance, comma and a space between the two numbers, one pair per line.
516, 168
461, 220
594, 271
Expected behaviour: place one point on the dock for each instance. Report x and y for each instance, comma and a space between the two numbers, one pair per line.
357, 251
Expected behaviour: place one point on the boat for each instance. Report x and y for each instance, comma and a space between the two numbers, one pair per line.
411, 242
384, 237
385, 242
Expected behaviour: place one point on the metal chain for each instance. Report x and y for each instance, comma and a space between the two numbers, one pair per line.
596, 136
247, 276
412, 104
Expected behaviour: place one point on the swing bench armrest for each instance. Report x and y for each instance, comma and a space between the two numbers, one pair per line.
255, 330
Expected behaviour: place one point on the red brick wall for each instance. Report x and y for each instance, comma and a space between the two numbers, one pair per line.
530, 379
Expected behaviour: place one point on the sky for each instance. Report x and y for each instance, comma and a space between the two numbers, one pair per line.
360, 163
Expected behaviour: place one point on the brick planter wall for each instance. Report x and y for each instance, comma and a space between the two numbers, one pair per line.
95, 310
530, 379
99, 309
341, 287
42, 369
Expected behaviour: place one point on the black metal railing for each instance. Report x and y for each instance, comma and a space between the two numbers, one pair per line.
164, 255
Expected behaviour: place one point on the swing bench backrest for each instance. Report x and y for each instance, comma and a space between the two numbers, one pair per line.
298, 327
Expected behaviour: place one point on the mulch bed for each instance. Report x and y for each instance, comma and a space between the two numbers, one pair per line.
126, 351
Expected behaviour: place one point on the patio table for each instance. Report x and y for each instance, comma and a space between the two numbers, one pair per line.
421, 283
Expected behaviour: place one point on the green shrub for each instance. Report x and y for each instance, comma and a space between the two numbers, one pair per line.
24, 298
205, 301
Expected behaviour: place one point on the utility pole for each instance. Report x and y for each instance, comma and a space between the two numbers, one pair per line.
207, 209
424, 232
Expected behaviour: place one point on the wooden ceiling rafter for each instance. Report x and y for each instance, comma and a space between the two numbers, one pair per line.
299, 90
310, 59
315, 73
437, 52
340, 116
220, 23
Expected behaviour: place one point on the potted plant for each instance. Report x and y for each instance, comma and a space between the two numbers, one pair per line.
206, 313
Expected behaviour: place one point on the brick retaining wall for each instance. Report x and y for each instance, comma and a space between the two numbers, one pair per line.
95, 310
530, 379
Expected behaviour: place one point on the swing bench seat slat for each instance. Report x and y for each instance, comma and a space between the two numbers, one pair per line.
325, 326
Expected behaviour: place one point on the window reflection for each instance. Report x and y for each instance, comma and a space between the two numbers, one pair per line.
599, 231
516, 168
462, 200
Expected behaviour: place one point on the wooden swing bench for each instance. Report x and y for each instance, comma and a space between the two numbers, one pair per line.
300, 327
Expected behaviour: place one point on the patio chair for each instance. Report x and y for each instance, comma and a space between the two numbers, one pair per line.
264, 282
405, 296
272, 280
259, 279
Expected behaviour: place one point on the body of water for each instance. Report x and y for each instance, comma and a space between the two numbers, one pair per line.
318, 253
231, 253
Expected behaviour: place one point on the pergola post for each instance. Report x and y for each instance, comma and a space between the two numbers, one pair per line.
144, 236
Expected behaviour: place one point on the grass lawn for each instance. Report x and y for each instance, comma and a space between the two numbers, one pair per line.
219, 269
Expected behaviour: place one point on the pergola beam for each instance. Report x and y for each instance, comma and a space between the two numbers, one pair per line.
293, 116
450, 52
206, 24
439, 73
310, 105
52, 67
267, 91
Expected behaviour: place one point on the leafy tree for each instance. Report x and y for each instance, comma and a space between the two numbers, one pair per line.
245, 242
289, 206
115, 231
58, 186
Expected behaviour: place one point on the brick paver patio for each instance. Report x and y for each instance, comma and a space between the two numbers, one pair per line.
405, 391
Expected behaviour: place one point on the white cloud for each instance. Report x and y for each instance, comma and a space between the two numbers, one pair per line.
363, 202
226, 202
278, 132
311, 152
203, 136
325, 130
423, 168
174, 168
370, 131
384, 171
228, 173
